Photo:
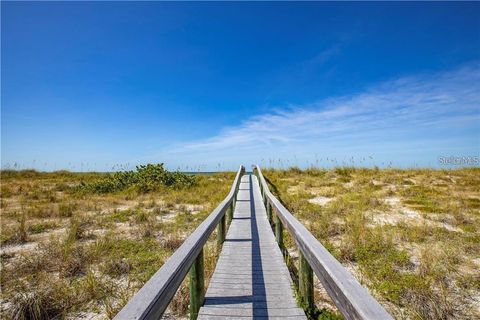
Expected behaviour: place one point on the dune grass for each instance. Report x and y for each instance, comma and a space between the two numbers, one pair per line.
72, 249
411, 236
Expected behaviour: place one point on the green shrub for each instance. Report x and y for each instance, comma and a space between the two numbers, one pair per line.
145, 178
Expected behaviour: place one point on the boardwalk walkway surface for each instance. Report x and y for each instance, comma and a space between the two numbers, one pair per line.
251, 280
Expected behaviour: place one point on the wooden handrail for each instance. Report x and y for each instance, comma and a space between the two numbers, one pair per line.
353, 301
153, 298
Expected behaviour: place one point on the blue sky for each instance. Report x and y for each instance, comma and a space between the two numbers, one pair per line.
208, 86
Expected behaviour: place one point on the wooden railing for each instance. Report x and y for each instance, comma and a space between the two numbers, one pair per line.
353, 301
153, 298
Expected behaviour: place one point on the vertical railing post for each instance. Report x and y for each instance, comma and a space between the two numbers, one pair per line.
197, 286
230, 213
269, 212
234, 202
305, 282
262, 190
220, 233
279, 232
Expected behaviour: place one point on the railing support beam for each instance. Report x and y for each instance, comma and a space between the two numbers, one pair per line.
279, 232
220, 233
197, 286
269, 212
305, 282
230, 213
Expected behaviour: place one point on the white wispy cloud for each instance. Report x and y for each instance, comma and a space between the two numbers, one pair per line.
409, 103
407, 118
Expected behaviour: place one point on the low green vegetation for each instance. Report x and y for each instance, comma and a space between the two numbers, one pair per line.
145, 178
411, 236
81, 244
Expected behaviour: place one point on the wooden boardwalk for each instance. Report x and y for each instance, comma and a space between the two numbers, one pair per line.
251, 280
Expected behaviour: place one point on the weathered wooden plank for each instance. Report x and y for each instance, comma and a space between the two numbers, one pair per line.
251, 266
228, 254
249, 305
224, 317
353, 301
246, 276
228, 291
247, 281
153, 298
256, 278
254, 263
248, 285
233, 299
259, 312
248, 269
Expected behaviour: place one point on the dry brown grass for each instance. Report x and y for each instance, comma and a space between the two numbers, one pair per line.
411, 236
67, 253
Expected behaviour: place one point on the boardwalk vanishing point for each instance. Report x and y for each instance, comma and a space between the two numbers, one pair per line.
251, 279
